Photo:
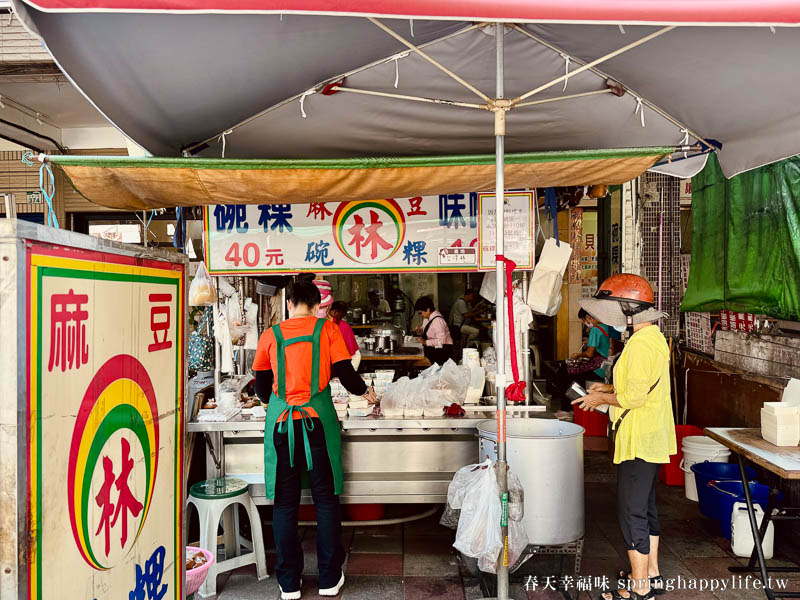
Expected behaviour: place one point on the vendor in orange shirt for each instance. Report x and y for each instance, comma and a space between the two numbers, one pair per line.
294, 363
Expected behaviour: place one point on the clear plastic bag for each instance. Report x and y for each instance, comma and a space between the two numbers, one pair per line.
395, 399
478, 533
236, 320
461, 481
516, 498
451, 384
489, 360
475, 495
517, 542
202, 291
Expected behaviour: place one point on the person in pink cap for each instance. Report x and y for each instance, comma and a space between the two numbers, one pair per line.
326, 291
326, 311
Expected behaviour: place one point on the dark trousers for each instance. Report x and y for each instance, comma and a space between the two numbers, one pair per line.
330, 553
636, 503
439, 355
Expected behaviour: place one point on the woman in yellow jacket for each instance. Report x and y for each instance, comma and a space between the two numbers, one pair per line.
642, 421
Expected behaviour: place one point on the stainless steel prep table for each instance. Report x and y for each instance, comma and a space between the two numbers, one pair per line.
386, 460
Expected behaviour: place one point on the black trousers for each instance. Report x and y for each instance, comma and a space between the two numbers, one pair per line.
439, 355
330, 553
636, 503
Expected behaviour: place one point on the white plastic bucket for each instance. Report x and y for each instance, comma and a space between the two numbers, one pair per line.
696, 449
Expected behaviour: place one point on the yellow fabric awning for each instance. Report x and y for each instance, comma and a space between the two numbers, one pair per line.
147, 183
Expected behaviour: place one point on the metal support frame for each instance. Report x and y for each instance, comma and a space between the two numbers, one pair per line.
561, 550
502, 464
758, 536
569, 549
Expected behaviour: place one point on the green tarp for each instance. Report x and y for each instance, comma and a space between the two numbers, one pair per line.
746, 241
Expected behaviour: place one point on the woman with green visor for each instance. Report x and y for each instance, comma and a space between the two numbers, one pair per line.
294, 363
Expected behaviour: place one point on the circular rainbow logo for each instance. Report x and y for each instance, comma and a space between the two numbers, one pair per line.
358, 236
120, 397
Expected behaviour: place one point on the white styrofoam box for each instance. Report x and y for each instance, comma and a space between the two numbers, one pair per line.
782, 409
790, 419
779, 437
780, 429
791, 393
742, 533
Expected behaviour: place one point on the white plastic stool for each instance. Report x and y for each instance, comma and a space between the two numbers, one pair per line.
212, 498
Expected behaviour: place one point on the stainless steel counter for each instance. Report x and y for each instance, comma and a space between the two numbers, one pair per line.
471, 420
404, 353
386, 460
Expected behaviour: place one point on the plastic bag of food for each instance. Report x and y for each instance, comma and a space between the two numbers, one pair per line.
418, 397
475, 492
517, 536
517, 542
395, 398
452, 383
236, 320
478, 533
461, 481
456, 492
202, 291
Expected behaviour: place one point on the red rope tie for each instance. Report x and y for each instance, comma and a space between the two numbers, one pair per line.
516, 391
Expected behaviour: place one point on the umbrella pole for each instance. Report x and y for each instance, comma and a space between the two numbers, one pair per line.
502, 465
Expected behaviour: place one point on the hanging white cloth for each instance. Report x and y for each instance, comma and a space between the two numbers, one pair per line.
251, 323
222, 333
489, 287
523, 317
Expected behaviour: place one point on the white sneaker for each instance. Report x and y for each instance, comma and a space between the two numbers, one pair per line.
291, 595
334, 591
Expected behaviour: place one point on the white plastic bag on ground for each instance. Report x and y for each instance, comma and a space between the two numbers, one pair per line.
544, 293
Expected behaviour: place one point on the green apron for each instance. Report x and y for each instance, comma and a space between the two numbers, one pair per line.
320, 401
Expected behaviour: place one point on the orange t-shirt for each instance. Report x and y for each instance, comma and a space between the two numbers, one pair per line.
332, 349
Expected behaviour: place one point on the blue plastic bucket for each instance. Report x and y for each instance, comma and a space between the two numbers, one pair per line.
729, 492
705, 472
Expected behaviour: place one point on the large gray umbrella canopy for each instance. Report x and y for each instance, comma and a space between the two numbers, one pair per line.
356, 124
193, 77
